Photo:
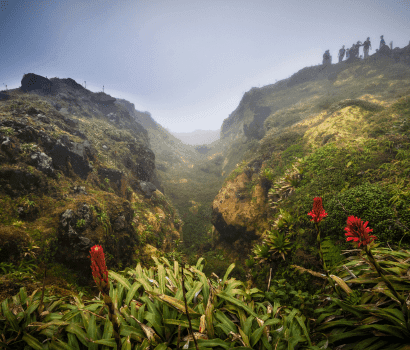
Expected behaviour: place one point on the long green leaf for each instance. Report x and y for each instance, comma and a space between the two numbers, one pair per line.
9, 316
303, 326
131, 292
384, 328
237, 303
107, 342
31, 341
119, 278
161, 278
183, 323
225, 321
92, 332
77, 330
57, 344
256, 335
213, 343
52, 323
72, 341
228, 271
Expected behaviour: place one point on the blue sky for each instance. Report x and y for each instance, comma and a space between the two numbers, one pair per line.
187, 62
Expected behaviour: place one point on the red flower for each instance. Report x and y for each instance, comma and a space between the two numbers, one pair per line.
317, 213
100, 272
357, 231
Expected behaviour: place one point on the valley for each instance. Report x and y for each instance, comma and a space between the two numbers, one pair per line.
80, 169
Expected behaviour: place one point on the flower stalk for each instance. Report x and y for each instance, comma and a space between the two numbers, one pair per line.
100, 275
318, 213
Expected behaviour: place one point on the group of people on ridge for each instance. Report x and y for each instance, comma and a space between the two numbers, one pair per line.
353, 52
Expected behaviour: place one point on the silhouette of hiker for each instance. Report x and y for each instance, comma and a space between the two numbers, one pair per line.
382, 42
366, 45
352, 52
347, 54
327, 59
342, 53
356, 48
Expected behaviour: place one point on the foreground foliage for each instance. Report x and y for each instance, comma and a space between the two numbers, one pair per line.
150, 309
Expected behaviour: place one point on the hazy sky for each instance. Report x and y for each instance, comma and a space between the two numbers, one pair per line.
188, 62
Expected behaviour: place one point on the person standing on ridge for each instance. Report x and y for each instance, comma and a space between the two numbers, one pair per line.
342, 53
327, 59
347, 53
366, 46
382, 42
357, 47
352, 52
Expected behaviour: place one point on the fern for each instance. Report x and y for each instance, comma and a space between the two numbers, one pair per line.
331, 253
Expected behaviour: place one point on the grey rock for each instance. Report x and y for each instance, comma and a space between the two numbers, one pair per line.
43, 163
119, 223
78, 153
115, 176
147, 188
79, 189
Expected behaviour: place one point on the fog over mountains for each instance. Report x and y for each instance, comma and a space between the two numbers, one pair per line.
197, 137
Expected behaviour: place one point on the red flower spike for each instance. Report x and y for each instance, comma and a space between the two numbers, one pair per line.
317, 213
98, 266
357, 231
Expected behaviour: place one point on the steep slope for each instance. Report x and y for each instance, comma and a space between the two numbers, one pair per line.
170, 152
325, 135
76, 169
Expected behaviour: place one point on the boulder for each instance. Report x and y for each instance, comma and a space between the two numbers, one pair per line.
119, 223
43, 163
74, 248
117, 177
147, 188
33, 81
79, 154
229, 232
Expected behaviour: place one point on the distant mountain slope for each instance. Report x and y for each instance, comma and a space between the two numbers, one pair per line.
169, 151
197, 137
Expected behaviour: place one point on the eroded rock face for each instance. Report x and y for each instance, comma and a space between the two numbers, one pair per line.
235, 215
76, 154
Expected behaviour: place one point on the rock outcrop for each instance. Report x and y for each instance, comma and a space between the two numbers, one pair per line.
33, 81
235, 215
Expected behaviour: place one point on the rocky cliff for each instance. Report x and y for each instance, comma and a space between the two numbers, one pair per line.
76, 169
